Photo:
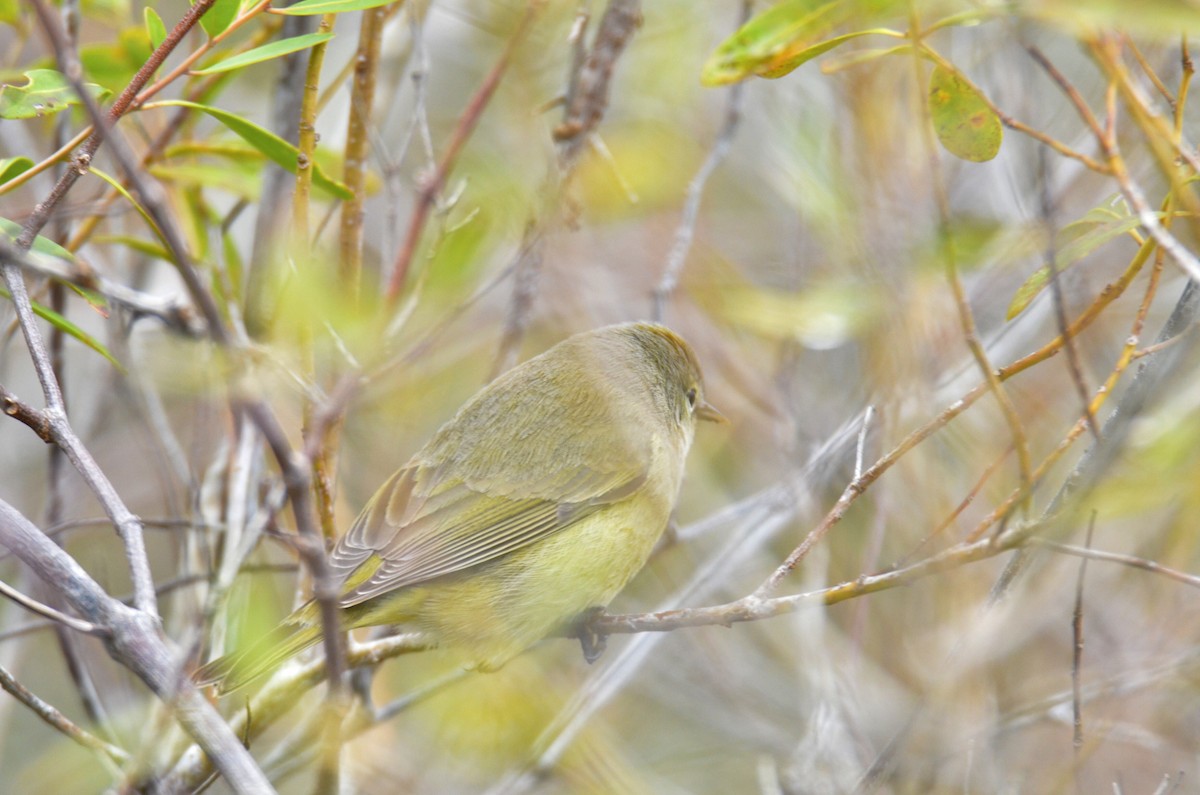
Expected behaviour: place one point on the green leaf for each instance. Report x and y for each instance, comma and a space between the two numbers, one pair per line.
789, 27
119, 188
155, 28
47, 92
68, 328
271, 145
311, 7
964, 123
243, 182
789, 60
1084, 236
113, 64
859, 57
11, 167
10, 13
139, 245
219, 17
266, 53
41, 245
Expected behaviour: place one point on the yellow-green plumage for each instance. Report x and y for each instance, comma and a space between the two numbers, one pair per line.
538, 501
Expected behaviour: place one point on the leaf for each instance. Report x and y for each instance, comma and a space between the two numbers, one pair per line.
791, 26
964, 123
311, 7
271, 145
265, 53
155, 28
243, 182
47, 92
41, 245
11, 167
1095, 229
859, 57
10, 13
113, 64
137, 244
220, 16
119, 188
790, 59
68, 328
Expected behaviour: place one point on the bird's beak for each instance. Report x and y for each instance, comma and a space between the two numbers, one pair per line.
706, 411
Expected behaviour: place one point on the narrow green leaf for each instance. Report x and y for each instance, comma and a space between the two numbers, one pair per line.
47, 92
42, 245
219, 17
964, 123
154, 27
11, 167
142, 211
858, 57
792, 24
150, 249
240, 179
265, 53
68, 328
311, 7
271, 145
790, 59
10, 12
1095, 232
112, 63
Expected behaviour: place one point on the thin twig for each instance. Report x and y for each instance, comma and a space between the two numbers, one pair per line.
60, 722
432, 184
46, 611
686, 231
1059, 300
1131, 561
589, 95
137, 642
950, 257
1077, 653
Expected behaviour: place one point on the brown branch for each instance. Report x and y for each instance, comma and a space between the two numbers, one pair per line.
589, 98
358, 125
81, 161
35, 419
685, 232
1059, 300
432, 184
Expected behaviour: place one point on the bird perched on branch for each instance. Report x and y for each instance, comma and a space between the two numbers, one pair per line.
535, 504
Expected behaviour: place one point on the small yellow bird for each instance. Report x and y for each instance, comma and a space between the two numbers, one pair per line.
536, 503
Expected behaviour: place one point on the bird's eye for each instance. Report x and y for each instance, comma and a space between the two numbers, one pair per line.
691, 397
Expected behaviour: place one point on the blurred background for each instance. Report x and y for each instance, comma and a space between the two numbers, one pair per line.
813, 283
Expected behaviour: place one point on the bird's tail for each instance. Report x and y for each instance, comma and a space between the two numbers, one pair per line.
236, 670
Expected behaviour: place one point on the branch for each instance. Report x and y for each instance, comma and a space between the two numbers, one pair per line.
432, 184
136, 643
48, 713
686, 230
590, 94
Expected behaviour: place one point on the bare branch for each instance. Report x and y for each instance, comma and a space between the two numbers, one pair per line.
136, 643
60, 722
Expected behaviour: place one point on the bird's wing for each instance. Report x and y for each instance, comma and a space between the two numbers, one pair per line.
414, 530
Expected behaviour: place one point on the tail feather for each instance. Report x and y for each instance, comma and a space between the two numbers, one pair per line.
235, 671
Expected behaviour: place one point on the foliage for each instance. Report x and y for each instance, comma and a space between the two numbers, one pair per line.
924, 251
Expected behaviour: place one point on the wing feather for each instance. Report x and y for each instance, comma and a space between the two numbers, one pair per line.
487, 485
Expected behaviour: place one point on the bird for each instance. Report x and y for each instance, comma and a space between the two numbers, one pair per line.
531, 508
